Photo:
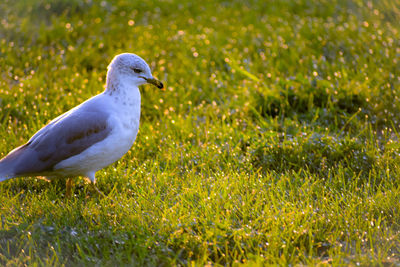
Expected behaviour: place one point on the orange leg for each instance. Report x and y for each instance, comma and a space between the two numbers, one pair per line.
69, 185
98, 190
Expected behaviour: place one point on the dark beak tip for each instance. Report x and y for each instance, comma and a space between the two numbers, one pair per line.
160, 86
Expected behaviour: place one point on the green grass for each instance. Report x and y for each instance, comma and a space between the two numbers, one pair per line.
276, 141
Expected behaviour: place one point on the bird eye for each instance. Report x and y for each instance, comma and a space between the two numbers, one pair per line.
136, 70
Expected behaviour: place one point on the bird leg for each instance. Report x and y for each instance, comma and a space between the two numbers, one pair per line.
92, 179
98, 190
69, 185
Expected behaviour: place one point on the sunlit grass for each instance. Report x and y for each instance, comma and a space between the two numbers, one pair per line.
275, 141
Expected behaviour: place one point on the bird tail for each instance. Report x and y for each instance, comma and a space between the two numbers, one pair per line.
6, 168
5, 173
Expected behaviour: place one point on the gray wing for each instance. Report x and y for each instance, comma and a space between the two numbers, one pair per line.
64, 137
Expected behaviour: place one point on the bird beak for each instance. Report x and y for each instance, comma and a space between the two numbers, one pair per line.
154, 82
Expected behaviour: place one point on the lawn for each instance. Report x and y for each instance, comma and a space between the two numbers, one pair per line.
275, 141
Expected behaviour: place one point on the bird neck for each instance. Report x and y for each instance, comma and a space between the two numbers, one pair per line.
124, 93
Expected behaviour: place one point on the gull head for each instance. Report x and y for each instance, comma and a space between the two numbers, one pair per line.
132, 69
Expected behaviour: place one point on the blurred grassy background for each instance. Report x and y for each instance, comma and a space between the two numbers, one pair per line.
276, 140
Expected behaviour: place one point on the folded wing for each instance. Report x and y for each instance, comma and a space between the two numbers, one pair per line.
64, 137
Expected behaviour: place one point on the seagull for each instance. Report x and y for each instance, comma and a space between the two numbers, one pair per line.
90, 136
